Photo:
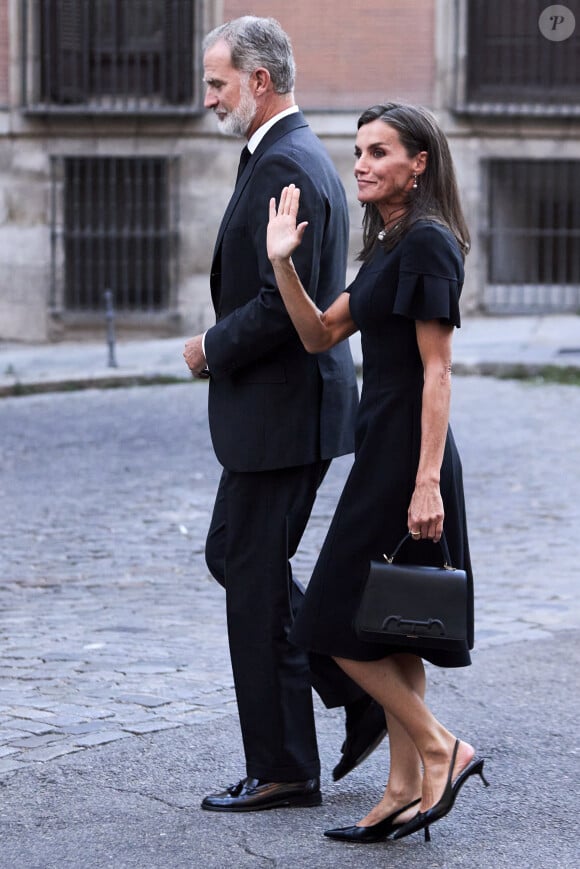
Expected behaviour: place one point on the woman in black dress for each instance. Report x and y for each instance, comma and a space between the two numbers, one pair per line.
407, 472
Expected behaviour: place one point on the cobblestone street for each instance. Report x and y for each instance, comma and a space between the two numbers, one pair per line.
109, 624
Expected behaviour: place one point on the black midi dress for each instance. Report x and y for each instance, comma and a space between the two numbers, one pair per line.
420, 279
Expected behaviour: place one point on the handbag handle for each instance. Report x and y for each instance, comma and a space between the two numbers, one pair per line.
442, 544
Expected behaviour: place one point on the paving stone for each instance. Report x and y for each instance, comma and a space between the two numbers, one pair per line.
37, 741
142, 700
7, 735
49, 752
151, 727
32, 713
9, 765
99, 738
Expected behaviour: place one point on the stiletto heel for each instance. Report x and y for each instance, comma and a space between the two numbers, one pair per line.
475, 767
422, 820
481, 775
374, 833
427, 834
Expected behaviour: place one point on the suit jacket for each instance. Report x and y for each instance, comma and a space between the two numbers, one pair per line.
271, 404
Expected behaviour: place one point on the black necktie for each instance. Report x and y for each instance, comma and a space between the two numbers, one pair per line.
244, 157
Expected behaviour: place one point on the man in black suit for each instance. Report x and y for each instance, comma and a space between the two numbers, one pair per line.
277, 417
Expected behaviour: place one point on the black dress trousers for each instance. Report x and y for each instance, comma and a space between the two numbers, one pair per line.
258, 521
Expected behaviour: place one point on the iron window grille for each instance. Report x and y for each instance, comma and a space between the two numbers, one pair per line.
110, 56
533, 236
114, 227
506, 66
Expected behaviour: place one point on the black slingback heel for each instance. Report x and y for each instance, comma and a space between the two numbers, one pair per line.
423, 820
374, 833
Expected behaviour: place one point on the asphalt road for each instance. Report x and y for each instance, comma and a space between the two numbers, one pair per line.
116, 706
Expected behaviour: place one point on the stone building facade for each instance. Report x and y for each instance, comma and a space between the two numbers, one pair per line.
112, 176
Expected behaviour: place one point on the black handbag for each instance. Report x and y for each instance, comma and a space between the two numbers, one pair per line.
413, 605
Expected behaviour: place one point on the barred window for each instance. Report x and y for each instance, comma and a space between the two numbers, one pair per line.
114, 228
110, 55
511, 64
533, 236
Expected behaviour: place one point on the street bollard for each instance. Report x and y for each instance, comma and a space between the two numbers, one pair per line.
110, 319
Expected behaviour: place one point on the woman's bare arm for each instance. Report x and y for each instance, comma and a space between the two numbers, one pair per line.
426, 512
318, 330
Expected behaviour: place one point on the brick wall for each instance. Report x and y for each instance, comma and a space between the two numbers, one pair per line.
353, 53
4, 52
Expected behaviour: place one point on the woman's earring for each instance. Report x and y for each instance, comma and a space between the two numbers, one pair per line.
415, 185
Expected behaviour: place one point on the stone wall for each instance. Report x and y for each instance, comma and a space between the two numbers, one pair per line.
206, 176
4, 53
350, 53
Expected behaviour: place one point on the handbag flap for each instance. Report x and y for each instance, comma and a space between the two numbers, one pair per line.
414, 601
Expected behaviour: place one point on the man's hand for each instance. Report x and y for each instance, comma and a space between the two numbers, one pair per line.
193, 355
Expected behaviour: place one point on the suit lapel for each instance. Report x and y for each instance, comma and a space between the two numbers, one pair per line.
286, 125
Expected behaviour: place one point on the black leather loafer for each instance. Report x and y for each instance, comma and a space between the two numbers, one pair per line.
254, 795
365, 730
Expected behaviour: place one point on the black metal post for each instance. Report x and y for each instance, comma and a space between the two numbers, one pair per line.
110, 319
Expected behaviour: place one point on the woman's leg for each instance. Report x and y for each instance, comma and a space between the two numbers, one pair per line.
405, 777
398, 685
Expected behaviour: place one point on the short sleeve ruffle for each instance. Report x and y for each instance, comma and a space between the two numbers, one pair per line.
430, 275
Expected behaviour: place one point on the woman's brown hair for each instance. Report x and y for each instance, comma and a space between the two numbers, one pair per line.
436, 196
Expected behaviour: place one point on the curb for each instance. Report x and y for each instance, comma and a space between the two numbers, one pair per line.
550, 372
22, 388
554, 373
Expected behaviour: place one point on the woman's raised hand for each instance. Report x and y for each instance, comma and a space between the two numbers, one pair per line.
283, 235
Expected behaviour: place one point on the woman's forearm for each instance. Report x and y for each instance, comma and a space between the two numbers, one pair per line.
426, 511
434, 424
317, 330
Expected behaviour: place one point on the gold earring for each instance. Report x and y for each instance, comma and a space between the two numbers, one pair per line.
415, 185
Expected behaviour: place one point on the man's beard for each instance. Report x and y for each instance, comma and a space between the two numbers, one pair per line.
237, 122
